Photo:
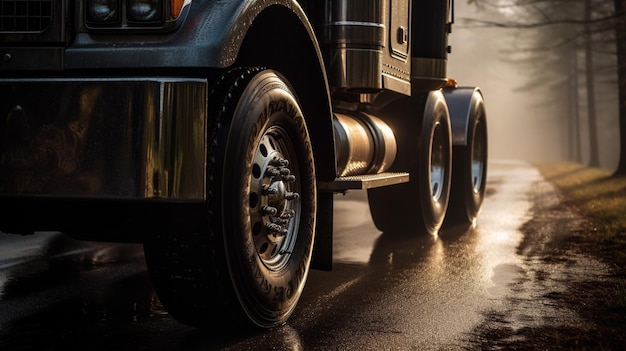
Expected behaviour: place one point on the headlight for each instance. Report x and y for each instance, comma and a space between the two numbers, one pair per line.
145, 10
103, 10
132, 15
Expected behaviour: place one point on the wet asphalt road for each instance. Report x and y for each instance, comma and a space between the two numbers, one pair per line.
419, 294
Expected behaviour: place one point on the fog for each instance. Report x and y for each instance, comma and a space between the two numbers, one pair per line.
525, 125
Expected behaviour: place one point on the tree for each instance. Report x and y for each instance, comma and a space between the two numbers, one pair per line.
589, 27
594, 155
620, 38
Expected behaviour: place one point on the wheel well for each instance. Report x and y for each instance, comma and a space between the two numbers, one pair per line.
278, 39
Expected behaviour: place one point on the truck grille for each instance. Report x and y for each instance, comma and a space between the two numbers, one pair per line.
25, 15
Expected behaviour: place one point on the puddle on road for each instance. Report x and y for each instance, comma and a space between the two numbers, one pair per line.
503, 276
503, 214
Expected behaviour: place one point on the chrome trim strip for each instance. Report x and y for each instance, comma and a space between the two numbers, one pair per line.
357, 23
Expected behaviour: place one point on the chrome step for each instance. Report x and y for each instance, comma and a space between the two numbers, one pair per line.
362, 182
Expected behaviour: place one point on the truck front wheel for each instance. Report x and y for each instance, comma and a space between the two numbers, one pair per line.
250, 258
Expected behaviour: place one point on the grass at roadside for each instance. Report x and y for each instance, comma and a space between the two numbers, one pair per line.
599, 196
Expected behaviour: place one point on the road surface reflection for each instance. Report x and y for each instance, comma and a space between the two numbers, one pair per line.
385, 291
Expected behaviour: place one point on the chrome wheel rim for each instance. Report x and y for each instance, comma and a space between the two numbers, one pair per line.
478, 158
437, 163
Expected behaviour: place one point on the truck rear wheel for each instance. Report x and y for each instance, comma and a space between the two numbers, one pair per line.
469, 166
250, 258
420, 205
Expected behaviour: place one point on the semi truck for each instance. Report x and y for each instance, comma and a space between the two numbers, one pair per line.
216, 133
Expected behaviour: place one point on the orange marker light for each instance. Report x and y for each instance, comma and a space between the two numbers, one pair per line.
451, 83
175, 7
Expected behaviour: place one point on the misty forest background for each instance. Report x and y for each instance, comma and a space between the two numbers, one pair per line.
550, 71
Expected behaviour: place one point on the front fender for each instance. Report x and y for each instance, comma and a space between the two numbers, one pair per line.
211, 36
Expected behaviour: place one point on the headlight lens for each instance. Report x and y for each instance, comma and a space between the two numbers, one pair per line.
103, 10
145, 10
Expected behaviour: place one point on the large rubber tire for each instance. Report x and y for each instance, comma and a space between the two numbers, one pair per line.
249, 258
420, 205
469, 168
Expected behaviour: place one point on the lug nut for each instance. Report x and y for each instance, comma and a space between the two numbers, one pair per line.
281, 221
292, 196
279, 162
269, 211
267, 190
287, 214
276, 229
272, 172
288, 178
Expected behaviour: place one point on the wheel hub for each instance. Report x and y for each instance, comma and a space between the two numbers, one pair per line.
272, 200
277, 196
277, 212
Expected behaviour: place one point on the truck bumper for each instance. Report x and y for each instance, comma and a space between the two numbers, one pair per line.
124, 138
131, 140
